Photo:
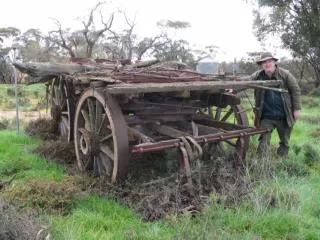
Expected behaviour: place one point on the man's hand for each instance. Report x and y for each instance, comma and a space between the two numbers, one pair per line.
296, 114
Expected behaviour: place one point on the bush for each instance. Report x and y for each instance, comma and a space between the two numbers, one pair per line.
315, 92
11, 92
294, 167
311, 154
46, 195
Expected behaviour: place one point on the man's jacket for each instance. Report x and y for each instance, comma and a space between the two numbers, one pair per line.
291, 99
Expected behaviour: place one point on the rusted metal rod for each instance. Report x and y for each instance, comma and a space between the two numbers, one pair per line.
174, 143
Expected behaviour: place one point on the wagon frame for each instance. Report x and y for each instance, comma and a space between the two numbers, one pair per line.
113, 113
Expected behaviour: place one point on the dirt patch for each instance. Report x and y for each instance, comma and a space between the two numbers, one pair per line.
26, 116
58, 150
53, 147
17, 223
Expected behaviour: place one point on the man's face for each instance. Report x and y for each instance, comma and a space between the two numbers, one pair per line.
269, 66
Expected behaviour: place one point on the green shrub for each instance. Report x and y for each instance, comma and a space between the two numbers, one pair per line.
294, 167
48, 196
311, 154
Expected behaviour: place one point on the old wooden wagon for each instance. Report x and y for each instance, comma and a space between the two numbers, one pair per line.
113, 111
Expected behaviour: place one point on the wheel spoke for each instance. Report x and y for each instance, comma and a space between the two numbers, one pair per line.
86, 119
98, 116
65, 113
102, 122
61, 129
60, 91
218, 114
103, 139
89, 162
56, 97
65, 122
63, 103
59, 95
106, 150
97, 165
91, 113
227, 115
106, 163
55, 100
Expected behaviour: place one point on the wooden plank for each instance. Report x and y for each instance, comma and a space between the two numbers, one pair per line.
139, 135
169, 131
191, 86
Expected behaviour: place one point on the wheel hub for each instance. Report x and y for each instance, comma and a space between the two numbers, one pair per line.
88, 142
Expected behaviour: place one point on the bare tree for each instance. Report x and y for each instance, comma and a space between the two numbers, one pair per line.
126, 45
86, 38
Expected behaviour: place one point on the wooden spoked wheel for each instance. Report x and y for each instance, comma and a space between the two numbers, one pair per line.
62, 107
234, 114
101, 136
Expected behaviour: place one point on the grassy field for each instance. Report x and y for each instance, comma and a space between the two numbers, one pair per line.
283, 202
31, 98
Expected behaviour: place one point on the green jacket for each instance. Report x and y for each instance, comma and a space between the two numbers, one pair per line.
291, 99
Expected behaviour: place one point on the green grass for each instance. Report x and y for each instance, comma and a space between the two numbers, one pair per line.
31, 97
17, 159
283, 206
91, 217
96, 218
294, 216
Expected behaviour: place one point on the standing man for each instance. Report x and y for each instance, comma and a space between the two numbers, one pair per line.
276, 110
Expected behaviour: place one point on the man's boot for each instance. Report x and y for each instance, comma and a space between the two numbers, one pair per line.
283, 151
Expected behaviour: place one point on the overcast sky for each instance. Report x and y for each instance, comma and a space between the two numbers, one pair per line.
224, 23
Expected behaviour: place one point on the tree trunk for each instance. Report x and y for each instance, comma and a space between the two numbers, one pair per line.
317, 80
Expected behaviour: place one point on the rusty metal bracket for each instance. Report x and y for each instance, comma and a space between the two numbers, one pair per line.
185, 164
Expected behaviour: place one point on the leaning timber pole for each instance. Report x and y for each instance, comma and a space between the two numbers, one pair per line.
16, 90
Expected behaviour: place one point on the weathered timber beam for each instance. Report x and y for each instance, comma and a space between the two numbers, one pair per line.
268, 88
44, 69
217, 124
203, 129
169, 131
181, 86
139, 135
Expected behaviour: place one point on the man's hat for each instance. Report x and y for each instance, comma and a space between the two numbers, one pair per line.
266, 56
